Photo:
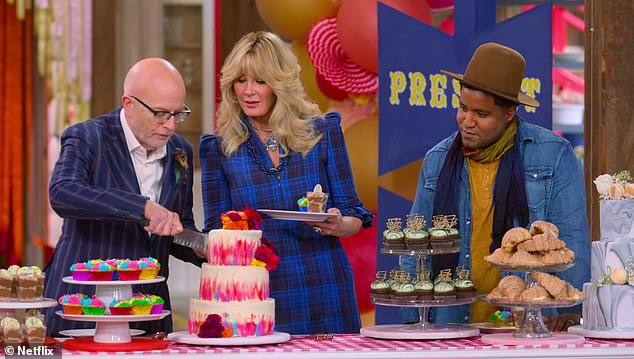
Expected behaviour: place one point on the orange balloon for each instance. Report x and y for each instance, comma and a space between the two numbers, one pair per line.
308, 76
292, 19
358, 29
362, 141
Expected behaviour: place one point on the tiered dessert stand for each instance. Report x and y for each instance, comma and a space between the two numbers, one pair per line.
13, 305
423, 329
532, 330
112, 332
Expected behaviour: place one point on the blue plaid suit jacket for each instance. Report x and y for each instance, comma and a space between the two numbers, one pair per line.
94, 188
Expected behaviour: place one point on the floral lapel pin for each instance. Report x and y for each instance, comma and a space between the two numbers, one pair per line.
180, 166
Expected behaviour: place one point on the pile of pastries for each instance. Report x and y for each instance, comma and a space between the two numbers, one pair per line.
537, 247
545, 287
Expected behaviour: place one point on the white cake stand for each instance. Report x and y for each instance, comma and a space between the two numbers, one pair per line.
601, 334
113, 328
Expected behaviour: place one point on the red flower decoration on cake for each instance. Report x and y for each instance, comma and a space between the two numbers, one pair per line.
211, 327
241, 220
266, 254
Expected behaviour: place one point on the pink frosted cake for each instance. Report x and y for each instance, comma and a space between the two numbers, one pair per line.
235, 282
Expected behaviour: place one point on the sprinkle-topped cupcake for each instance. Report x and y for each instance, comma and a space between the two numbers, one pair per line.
100, 270
11, 331
129, 269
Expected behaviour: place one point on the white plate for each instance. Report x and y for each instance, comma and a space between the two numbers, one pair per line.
79, 333
184, 337
70, 280
488, 327
297, 216
602, 334
112, 318
15, 304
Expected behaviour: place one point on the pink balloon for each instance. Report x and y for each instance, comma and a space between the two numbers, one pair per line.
358, 30
329, 90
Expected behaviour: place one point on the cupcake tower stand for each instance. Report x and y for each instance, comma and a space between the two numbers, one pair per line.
532, 330
14, 305
112, 332
423, 329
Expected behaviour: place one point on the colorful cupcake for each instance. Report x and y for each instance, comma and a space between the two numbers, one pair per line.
114, 263
80, 271
93, 306
129, 269
379, 288
302, 203
100, 270
393, 236
157, 304
120, 307
141, 306
72, 303
149, 268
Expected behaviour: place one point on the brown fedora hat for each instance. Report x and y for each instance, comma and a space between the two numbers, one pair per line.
498, 70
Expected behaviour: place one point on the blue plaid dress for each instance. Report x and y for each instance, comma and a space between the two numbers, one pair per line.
313, 283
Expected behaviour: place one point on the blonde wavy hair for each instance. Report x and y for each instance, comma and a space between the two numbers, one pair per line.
264, 56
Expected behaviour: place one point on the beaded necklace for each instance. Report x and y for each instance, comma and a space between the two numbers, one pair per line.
270, 142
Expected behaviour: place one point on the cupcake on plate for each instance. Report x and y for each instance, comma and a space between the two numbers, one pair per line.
93, 306
120, 307
416, 238
72, 303
80, 271
11, 331
100, 270
149, 268
141, 305
393, 236
157, 304
423, 287
34, 329
128, 270
444, 288
380, 288
464, 285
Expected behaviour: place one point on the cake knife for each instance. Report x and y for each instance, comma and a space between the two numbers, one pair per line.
188, 238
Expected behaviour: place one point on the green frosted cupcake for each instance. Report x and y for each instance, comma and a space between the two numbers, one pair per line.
93, 306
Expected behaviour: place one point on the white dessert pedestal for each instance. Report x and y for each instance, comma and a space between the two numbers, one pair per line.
112, 329
532, 329
601, 334
183, 337
423, 329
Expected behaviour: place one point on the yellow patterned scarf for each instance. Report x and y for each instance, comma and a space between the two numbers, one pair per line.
494, 151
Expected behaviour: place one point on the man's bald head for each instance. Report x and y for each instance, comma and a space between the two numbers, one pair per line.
153, 77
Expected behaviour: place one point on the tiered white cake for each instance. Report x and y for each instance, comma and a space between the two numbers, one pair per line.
610, 307
233, 288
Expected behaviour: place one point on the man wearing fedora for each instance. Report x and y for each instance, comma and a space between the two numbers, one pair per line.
495, 173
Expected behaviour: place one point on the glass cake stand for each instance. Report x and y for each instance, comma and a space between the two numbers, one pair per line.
113, 328
532, 326
423, 329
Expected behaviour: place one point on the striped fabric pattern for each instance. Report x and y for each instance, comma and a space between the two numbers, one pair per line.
313, 284
94, 188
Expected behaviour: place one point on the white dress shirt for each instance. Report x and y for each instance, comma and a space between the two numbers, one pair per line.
148, 168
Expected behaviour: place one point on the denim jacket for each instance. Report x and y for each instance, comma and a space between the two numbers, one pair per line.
555, 193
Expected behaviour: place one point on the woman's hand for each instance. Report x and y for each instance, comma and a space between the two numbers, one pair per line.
338, 226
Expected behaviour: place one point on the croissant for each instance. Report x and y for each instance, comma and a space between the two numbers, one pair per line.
558, 256
523, 258
541, 242
539, 227
499, 256
535, 293
573, 293
512, 286
513, 237
496, 293
556, 287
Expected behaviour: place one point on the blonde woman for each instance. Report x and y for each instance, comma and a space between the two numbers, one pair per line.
273, 146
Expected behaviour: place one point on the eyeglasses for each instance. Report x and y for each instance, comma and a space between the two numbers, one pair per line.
164, 116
